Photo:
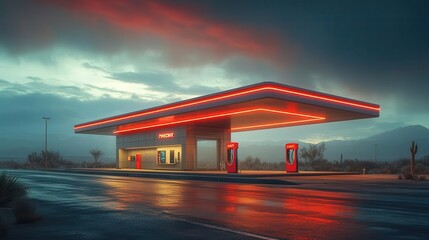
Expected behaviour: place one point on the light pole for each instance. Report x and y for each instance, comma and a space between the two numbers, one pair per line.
46, 141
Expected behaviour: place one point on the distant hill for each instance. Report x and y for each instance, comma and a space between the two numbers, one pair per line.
387, 146
413, 132
390, 145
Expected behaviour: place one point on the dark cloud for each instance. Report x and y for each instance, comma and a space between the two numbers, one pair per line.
10, 87
34, 78
184, 36
90, 86
162, 82
361, 33
91, 66
39, 85
373, 51
367, 35
153, 79
352, 36
359, 44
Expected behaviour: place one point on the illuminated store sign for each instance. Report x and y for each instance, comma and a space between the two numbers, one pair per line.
232, 145
166, 135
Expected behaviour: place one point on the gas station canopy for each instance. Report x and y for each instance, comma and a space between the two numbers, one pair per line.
259, 106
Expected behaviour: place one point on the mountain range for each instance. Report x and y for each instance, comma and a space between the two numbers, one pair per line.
387, 146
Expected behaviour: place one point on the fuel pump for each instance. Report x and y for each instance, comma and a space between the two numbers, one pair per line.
138, 161
291, 157
232, 162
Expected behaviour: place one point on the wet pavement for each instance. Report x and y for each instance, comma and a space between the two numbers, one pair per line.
90, 206
243, 176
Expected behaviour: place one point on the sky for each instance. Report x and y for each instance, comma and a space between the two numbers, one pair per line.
76, 61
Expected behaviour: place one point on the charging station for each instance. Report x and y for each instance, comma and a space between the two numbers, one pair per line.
291, 157
232, 162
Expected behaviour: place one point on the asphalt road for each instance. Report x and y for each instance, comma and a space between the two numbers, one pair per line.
79, 206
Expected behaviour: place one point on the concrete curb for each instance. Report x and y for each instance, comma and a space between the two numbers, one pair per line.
230, 178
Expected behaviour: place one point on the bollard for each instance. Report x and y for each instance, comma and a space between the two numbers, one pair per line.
363, 171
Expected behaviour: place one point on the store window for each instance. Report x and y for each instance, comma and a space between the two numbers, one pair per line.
168, 155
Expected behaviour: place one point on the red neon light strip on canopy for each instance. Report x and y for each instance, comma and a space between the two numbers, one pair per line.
279, 124
312, 118
284, 90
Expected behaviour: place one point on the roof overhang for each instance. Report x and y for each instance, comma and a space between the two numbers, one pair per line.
259, 106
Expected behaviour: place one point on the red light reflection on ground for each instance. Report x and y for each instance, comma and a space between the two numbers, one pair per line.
288, 212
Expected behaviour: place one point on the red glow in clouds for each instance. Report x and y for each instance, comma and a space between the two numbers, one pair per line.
176, 25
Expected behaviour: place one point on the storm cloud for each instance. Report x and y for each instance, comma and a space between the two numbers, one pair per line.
81, 60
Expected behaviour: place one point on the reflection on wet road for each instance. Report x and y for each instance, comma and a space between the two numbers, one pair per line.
266, 211
307, 211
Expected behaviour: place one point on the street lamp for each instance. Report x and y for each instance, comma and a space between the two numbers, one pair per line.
46, 141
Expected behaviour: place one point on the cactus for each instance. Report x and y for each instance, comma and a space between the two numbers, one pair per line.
413, 150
